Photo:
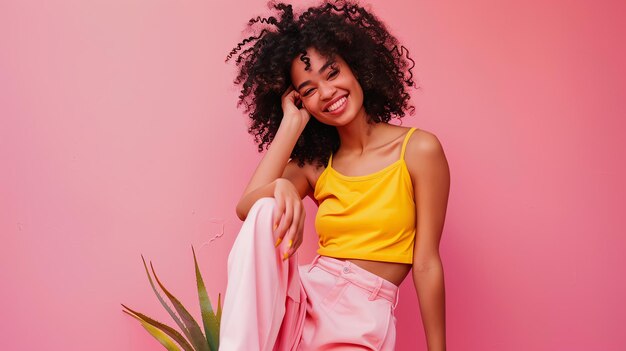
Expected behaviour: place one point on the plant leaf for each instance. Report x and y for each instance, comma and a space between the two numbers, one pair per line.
162, 301
219, 310
209, 320
197, 339
158, 334
171, 332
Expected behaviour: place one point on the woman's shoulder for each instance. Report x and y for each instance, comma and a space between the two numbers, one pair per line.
423, 150
420, 138
422, 141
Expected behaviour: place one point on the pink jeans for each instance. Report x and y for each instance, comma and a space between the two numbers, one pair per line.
271, 304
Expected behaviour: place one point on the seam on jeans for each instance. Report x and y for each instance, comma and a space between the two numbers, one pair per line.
345, 283
384, 338
267, 336
294, 308
301, 321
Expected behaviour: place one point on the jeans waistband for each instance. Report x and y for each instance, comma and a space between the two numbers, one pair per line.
377, 286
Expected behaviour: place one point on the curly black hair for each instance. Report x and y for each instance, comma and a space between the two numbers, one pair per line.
382, 68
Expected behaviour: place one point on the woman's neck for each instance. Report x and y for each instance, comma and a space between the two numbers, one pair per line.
357, 136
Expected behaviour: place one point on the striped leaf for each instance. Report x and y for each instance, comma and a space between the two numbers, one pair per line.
197, 339
158, 334
165, 305
171, 332
209, 320
219, 310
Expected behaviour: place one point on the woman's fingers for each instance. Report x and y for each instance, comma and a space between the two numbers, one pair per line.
288, 218
289, 90
285, 222
289, 95
294, 224
295, 231
300, 236
279, 209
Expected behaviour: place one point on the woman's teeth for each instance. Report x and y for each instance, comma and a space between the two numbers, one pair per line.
337, 104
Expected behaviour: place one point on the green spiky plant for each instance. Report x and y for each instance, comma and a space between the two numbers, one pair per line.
169, 337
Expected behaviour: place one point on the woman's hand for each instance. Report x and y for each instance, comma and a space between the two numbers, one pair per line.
293, 108
288, 217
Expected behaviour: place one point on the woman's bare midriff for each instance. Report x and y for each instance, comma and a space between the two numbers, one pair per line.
393, 272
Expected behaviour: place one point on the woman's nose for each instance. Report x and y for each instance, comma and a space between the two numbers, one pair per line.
326, 91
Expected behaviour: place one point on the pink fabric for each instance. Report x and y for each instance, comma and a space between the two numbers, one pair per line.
348, 308
276, 305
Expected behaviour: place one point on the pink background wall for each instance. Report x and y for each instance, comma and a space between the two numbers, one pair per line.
119, 136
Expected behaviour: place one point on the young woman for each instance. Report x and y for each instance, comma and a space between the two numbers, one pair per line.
320, 89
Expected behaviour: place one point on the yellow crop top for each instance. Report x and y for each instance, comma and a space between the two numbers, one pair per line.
370, 217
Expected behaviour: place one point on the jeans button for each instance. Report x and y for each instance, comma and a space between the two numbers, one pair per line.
346, 270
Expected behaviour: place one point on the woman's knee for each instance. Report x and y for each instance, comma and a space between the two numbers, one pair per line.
264, 205
258, 223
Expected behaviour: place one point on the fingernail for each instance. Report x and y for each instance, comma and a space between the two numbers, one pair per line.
290, 243
275, 226
285, 256
278, 242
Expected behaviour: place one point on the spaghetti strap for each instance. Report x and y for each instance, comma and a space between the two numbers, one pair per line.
406, 141
330, 161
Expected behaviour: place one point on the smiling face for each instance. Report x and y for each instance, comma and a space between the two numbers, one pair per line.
329, 90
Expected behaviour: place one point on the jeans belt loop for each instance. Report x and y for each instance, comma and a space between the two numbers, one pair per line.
395, 303
317, 257
379, 284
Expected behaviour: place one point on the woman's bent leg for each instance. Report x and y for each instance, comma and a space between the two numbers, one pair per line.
258, 284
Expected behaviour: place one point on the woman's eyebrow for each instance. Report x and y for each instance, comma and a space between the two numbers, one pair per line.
328, 63
324, 66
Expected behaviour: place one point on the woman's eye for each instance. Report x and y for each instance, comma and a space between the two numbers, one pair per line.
333, 73
306, 93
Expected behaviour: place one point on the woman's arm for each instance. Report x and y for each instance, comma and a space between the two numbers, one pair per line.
272, 167
277, 177
274, 162
430, 173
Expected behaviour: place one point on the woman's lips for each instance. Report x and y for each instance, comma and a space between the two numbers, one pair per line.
343, 101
